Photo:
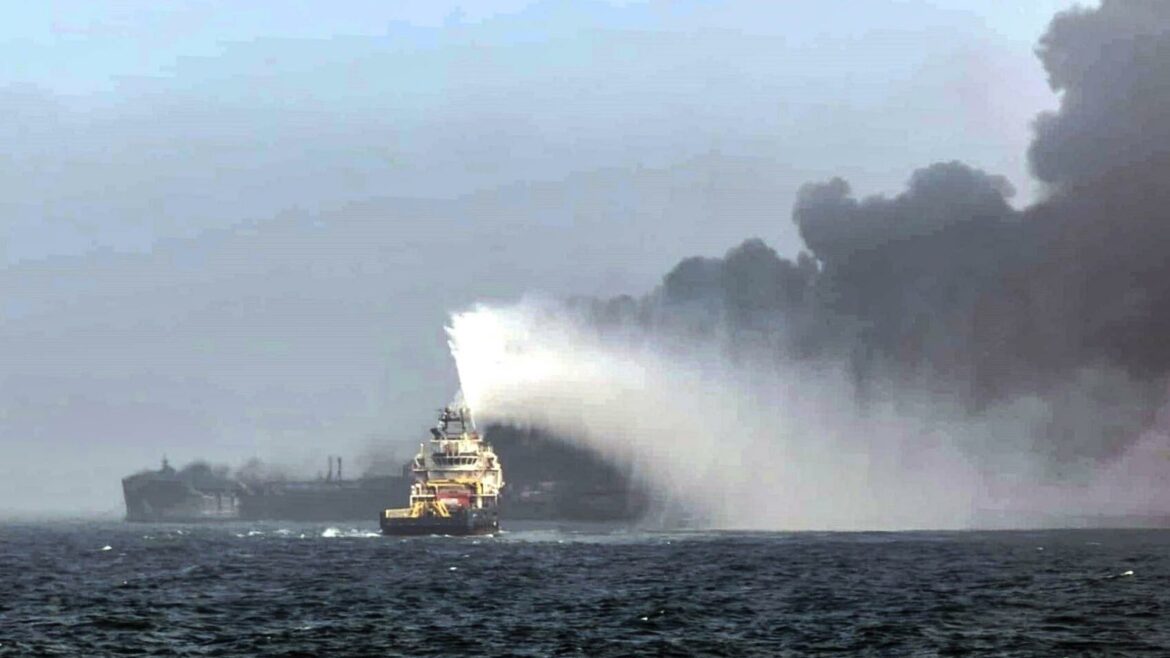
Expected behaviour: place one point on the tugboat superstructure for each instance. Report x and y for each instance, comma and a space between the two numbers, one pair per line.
457, 483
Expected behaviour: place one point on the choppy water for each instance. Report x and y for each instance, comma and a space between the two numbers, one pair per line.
317, 590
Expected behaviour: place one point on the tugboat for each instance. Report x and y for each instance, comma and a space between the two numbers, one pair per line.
457, 482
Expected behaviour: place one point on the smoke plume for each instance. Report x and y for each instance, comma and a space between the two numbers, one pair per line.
740, 447
933, 357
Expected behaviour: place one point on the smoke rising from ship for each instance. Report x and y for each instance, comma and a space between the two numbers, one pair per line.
763, 445
931, 354
946, 280
155, 306
736, 447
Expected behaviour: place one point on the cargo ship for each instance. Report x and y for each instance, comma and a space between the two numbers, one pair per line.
332, 498
457, 483
549, 479
199, 492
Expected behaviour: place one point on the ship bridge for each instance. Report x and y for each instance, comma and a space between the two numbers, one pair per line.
455, 444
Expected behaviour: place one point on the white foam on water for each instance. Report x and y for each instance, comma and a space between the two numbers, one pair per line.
333, 533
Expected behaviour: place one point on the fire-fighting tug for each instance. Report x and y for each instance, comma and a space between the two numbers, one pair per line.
457, 482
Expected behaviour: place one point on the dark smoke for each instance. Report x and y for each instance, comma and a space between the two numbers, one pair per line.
1106, 154
1110, 65
947, 287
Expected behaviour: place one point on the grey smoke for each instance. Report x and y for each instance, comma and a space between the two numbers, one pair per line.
1061, 306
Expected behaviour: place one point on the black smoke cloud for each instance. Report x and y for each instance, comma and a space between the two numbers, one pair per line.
1106, 155
1065, 303
1110, 67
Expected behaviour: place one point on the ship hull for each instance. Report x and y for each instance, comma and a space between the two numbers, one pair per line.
163, 502
351, 500
163, 497
484, 521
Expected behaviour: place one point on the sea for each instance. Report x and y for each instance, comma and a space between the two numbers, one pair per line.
85, 588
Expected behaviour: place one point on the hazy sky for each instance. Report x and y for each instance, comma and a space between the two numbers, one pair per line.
230, 232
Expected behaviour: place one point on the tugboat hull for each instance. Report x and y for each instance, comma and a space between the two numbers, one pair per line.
483, 521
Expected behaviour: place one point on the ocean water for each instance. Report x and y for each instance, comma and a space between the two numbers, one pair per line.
91, 589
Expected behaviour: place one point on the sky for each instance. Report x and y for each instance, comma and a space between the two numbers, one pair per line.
231, 232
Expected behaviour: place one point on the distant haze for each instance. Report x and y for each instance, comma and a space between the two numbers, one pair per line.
232, 234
